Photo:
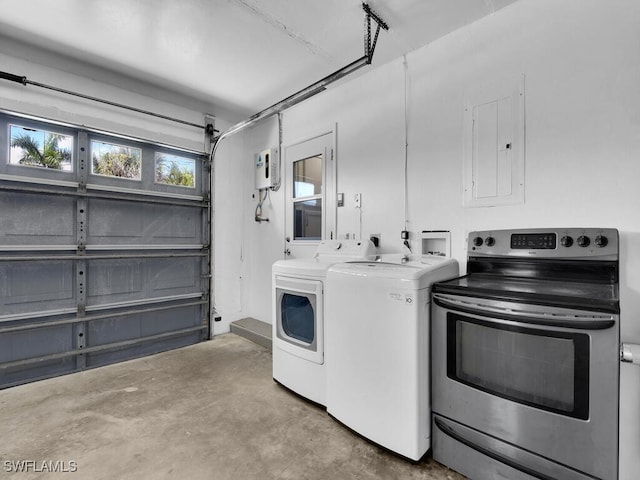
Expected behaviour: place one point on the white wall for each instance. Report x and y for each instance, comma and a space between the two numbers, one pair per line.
580, 59
245, 249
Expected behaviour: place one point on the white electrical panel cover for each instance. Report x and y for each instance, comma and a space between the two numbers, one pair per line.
494, 145
267, 168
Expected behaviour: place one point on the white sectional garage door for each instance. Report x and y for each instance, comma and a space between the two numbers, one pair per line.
104, 249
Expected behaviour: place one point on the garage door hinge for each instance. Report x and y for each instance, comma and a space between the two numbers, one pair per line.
81, 309
206, 198
81, 248
205, 296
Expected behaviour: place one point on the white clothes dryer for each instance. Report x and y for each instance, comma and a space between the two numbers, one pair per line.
298, 315
377, 344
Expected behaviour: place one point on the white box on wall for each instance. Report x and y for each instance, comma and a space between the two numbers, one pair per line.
267, 170
493, 163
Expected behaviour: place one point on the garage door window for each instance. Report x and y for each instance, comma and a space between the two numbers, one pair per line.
175, 170
114, 160
40, 148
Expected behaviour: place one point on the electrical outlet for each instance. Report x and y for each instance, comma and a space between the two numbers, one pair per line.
357, 199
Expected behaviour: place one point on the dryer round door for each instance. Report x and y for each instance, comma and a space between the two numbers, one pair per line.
298, 317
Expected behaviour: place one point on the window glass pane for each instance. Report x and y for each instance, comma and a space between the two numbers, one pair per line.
175, 170
298, 318
115, 160
534, 368
40, 148
307, 177
307, 219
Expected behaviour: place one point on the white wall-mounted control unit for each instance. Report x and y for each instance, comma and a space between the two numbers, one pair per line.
267, 171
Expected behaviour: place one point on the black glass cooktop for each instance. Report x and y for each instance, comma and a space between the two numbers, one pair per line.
561, 293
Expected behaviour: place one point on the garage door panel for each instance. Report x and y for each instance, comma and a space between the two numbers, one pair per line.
27, 219
29, 373
114, 281
179, 275
20, 345
126, 327
36, 286
118, 281
141, 350
117, 329
175, 223
165, 321
110, 219
116, 223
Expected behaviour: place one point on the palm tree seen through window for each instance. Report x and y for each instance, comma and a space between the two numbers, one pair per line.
39, 148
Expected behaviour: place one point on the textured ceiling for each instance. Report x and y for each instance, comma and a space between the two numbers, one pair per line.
242, 55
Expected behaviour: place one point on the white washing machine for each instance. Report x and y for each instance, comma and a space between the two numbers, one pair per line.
298, 315
377, 344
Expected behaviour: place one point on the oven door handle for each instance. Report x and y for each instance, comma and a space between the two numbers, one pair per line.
550, 317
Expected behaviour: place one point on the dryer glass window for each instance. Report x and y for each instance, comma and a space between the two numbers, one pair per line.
298, 317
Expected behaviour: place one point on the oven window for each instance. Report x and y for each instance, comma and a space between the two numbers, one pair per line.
544, 369
298, 316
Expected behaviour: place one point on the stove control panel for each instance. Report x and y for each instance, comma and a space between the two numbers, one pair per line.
596, 243
533, 241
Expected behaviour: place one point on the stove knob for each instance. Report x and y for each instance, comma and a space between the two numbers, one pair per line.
601, 241
583, 241
490, 241
566, 241
477, 241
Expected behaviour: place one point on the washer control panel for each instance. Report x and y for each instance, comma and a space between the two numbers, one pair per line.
597, 243
345, 250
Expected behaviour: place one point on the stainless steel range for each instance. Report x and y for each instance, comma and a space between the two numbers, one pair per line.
525, 357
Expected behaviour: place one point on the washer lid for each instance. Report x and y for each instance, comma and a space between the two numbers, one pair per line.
412, 274
302, 267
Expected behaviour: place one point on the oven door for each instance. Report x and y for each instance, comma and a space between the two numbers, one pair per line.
541, 379
298, 317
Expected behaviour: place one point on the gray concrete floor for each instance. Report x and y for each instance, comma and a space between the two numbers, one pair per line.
210, 411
